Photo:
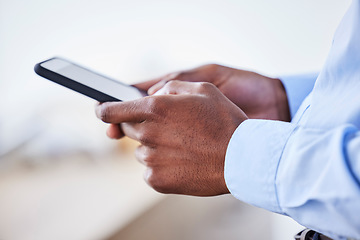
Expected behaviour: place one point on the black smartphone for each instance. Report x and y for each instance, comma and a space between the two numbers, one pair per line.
85, 81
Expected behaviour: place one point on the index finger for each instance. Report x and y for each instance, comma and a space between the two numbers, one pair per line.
118, 112
145, 86
148, 84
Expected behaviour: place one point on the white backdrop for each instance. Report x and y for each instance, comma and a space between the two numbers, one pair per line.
141, 39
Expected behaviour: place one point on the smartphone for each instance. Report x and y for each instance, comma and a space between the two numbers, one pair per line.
87, 82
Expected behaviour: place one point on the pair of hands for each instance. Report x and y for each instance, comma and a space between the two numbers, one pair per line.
186, 122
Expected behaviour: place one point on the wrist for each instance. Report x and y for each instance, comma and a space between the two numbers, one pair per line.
282, 103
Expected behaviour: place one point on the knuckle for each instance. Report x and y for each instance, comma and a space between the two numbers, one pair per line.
156, 106
155, 180
212, 66
142, 137
145, 155
151, 104
146, 137
206, 87
171, 84
180, 75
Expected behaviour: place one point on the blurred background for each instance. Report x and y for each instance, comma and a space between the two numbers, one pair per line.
61, 178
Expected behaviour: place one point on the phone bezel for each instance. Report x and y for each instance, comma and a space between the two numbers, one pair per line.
74, 85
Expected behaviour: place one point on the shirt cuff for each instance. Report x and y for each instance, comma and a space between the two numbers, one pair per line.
297, 88
252, 160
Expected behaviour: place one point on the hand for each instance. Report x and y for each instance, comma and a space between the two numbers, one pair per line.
258, 96
183, 134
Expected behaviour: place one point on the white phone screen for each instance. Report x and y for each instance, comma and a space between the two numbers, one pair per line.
93, 80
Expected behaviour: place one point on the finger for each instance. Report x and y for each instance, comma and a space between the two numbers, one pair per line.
156, 87
145, 155
181, 87
144, 133
191, 75
130, 130
114, 131
183, 76
145, 86
154, 156
118, 112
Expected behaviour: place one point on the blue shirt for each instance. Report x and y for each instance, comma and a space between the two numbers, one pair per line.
308, 169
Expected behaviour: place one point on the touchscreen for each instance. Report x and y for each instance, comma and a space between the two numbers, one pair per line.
93, 80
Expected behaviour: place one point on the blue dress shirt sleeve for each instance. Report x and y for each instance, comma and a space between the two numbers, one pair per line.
252, 161
310, 175
297, 87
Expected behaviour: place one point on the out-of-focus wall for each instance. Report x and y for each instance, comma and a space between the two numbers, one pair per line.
140, 39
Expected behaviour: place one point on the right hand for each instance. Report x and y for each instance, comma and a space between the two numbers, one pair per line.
184, 134
258, 96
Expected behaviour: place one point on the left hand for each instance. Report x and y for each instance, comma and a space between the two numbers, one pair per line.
183, 134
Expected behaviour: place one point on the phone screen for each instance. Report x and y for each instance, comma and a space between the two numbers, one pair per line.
93, 80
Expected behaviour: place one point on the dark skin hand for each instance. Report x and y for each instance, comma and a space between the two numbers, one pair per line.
183, 133
180, 127
257, 95
260, 97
